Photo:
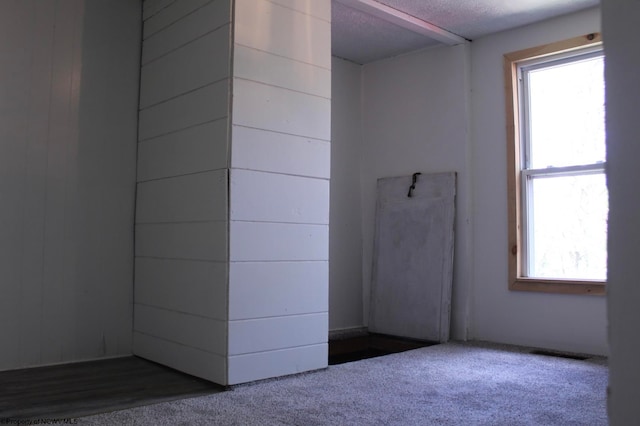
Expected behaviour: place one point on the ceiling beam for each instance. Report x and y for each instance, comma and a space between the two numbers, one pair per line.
404, 20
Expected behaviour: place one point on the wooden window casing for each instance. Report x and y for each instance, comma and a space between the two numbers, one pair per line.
517, 280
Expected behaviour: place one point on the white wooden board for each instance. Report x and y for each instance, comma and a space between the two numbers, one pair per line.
413, 257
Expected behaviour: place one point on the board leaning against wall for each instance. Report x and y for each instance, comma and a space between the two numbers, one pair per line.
413, 256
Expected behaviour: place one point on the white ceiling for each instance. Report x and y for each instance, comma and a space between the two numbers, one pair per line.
361, 37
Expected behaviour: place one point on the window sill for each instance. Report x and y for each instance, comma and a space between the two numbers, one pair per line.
596, 288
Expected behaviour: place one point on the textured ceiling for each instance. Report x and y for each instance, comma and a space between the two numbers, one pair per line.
362, 38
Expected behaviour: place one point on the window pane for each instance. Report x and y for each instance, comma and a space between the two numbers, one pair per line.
566, 108
569, 230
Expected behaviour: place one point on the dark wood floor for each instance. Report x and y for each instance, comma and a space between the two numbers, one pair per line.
370, 346
81, 389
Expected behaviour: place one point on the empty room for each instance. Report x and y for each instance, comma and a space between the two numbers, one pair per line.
319, 212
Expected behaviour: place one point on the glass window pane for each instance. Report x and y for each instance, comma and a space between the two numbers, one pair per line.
566, 113
569, 230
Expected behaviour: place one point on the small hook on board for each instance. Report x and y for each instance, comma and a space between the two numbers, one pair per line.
414, 179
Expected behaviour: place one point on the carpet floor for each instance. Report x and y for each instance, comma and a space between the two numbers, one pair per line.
447, 384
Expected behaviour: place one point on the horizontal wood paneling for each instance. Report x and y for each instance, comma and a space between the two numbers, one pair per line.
268, 151
196, 149
256, 241
195, 331
279, 188
265, 334
192, 66
281, 109
208, 18
194, 241
195, 287
299, 199
181, 275
272, 28
194, 197
272, 108
268, 289
183, 358
263, 67
201, 106
263, 365
170, 14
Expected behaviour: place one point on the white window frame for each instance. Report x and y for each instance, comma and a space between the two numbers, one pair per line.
521, 176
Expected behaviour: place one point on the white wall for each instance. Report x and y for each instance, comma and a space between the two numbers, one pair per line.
68, 94
620, 24
181, 292
562, 322
279, 188
345, 232
416, 110
415, 119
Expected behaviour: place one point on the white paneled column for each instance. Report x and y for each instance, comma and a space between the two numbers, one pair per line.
181, 286
279, 188
232, 219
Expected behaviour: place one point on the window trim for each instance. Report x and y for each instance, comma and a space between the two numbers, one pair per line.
517, 281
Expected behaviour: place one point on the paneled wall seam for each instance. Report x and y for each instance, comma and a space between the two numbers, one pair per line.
183, 44
178, 222
281, 42
157, 11
188, 92
168, 177
178, 343
282, 87
189, 68
177, 311
179, 258
135, 194
306, 115
282, 133
174, 21
149, 139
282, 174
245, 320
274, 350
228, 141
284, 57
278, 260
282, 222
298, 11
179, 129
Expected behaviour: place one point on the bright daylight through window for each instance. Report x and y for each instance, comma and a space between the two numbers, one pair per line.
558, 216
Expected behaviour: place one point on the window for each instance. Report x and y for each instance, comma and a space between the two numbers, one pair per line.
558, 201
